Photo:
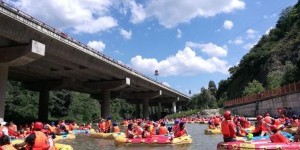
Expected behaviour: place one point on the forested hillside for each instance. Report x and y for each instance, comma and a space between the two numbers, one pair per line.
272, 62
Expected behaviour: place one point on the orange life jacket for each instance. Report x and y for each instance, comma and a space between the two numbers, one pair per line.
225, 128
102, 126
116, 129
40, 142
7, 147
162, 130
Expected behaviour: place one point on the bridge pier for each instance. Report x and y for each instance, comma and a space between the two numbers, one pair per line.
3, 87
159, 110
43, 106
16, 56
105, 103
137, 110
174, 107
146, 108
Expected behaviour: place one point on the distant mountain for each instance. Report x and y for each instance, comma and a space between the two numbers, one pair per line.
273, 61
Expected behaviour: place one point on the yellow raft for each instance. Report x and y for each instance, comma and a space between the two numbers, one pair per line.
292, 130
64, 137
58, 146
212, 131
154, 140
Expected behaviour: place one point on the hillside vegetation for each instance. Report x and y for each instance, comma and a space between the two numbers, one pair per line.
272, 62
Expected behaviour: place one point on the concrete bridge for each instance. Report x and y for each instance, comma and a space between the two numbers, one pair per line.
285, 100
44, 59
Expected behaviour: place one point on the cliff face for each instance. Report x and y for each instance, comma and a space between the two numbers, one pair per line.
273, 61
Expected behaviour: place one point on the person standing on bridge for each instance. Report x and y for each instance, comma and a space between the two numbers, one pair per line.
228, 128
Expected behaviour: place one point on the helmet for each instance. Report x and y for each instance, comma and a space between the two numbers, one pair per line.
267, 114
108, 118
294, 116
38, 126
259, 117
52, 123
181, 124
227, 114
176, 121
115, 124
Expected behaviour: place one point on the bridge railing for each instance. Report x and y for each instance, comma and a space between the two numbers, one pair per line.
67, 37
284, 90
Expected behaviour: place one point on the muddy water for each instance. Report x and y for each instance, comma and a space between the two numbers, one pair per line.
200, 142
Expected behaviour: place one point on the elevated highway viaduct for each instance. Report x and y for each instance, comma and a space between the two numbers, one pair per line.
44, 59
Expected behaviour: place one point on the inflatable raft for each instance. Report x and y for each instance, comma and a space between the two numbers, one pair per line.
212, 131
261, 144
65, 137
106, 135
79, 131
155, 139
58, 146
292, 130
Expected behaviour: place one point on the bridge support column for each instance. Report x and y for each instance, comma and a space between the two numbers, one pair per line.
159, 110
174, 107
146, 108
137, 110
3, 86
43, 106
105, 103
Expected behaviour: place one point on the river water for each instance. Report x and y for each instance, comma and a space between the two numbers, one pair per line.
200, 142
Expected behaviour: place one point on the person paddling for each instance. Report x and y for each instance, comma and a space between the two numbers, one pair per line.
228, 128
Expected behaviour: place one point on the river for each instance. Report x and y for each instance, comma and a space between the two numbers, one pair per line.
200, 141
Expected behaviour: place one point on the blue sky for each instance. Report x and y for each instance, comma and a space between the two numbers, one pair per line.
189, 42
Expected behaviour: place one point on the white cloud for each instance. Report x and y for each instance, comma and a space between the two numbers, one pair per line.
98, 45
179, 34
251, 34
270, 16
248, 46
210, 49
170, 13
239, 40
137, 12
268, 31
126, 34
90, 16
228, 24
185, 62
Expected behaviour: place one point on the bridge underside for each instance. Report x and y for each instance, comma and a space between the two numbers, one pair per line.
43, 61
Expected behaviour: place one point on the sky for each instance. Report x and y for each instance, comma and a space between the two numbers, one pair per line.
189, 42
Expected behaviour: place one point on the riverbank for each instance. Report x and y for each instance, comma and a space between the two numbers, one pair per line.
197, 112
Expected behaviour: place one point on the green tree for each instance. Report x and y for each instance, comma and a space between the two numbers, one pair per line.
274, 79
21, 105
290, 73
253, 87
212, 87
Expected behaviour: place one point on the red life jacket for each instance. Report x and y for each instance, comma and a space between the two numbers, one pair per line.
228, 129
278, 138
180, 133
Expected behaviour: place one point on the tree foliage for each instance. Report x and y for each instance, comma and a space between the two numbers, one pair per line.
21, 105
253, 87
273, 61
